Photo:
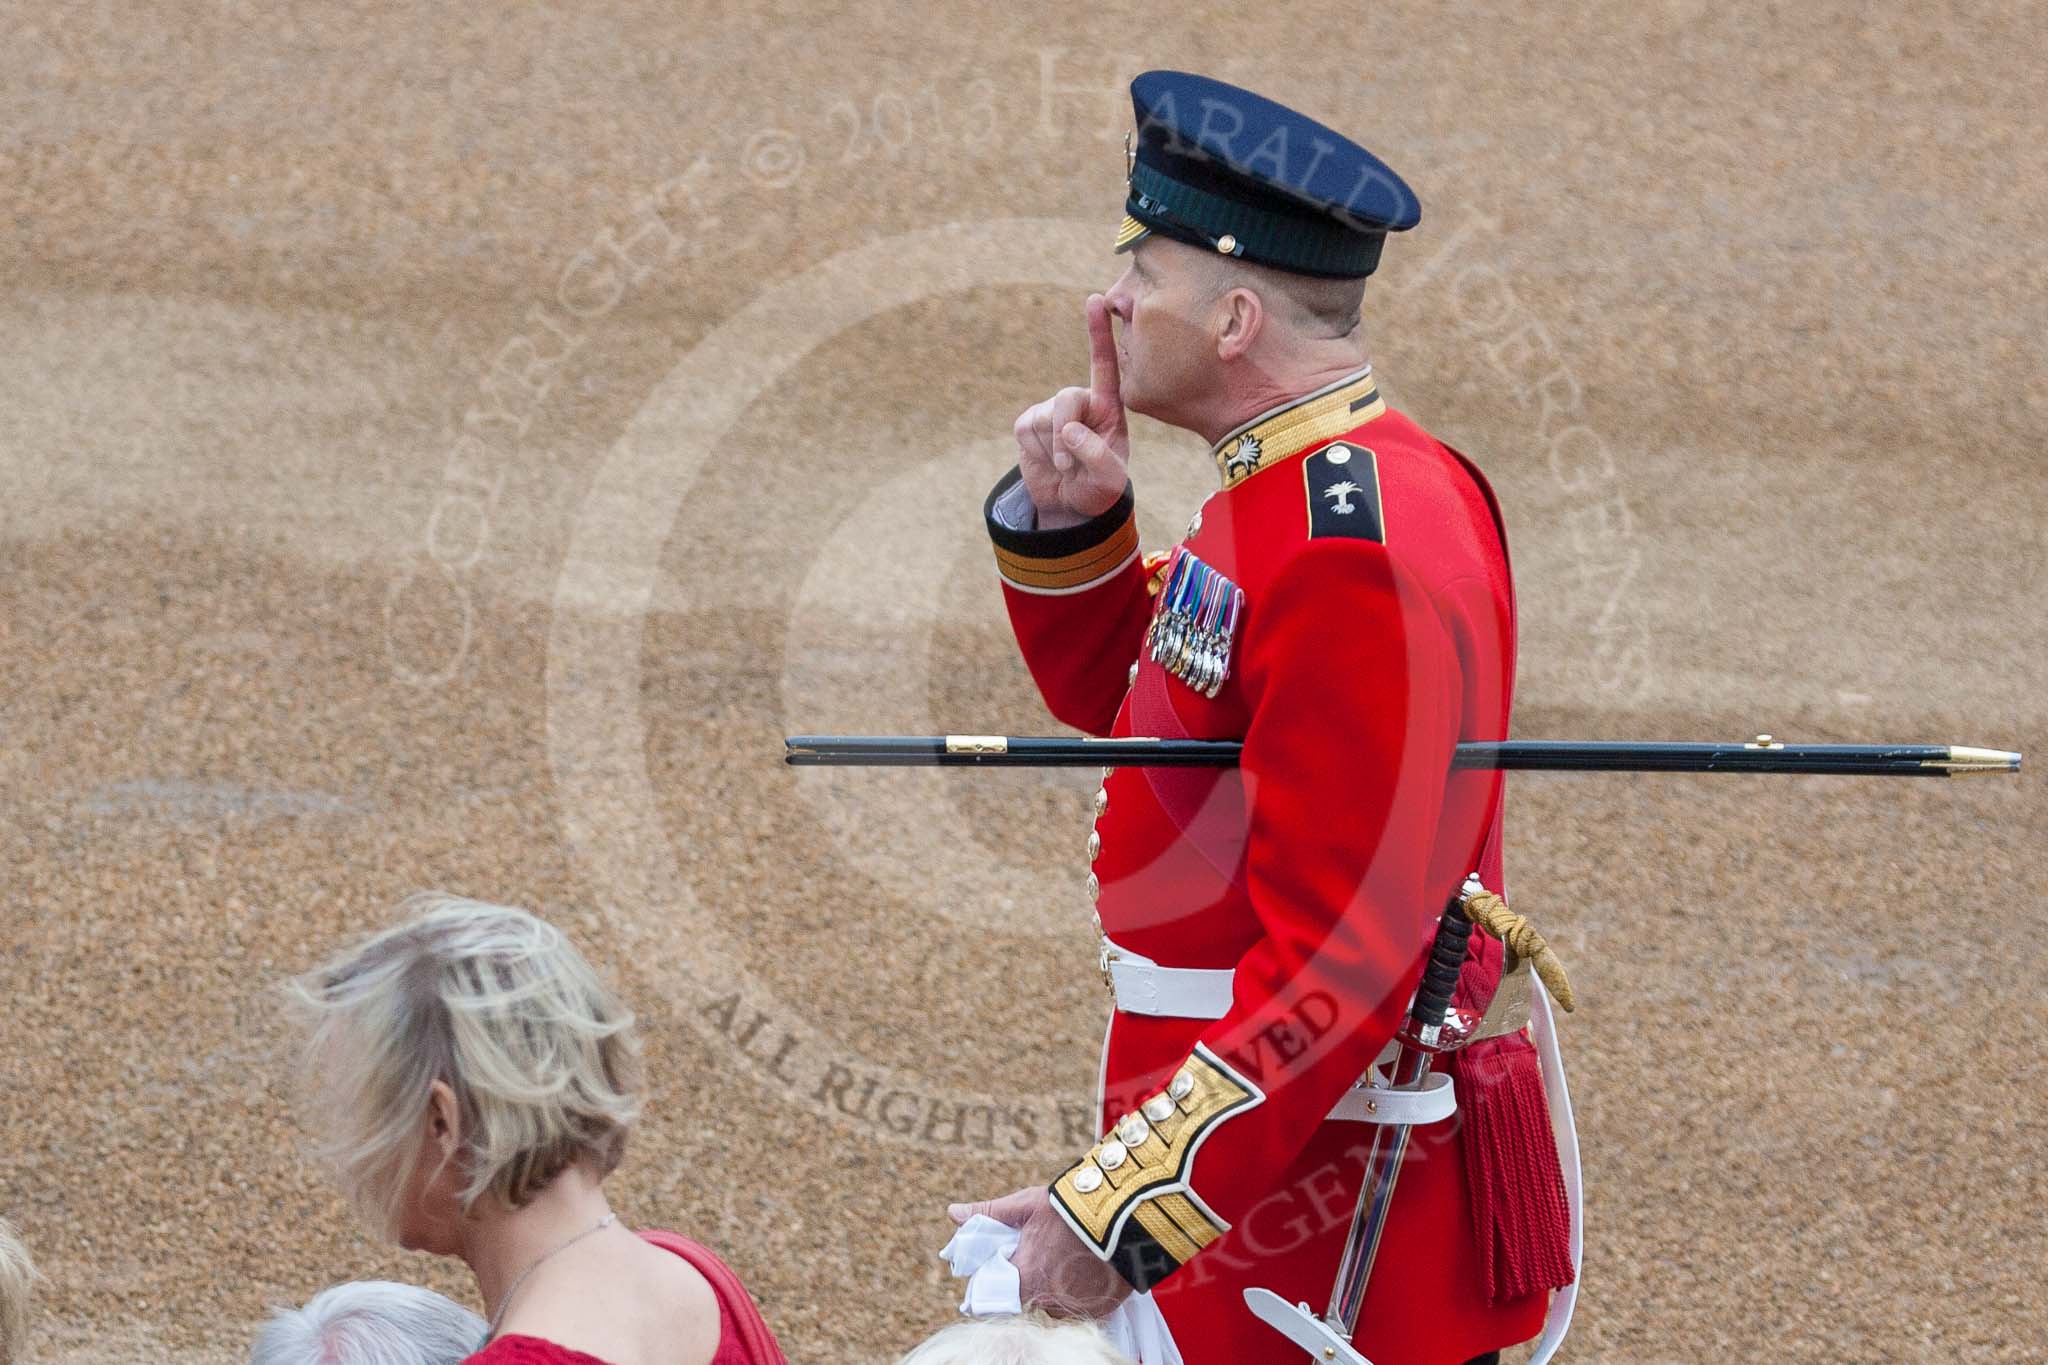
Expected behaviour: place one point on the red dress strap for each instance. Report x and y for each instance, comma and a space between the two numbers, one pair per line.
744, 1338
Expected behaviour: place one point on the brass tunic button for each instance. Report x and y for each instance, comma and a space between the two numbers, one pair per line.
1132, 676
1088, 1179
1159, 1109
1133, 1130
1183, 1085
1101, 800
1112, 1155
1094, 887
1094, 845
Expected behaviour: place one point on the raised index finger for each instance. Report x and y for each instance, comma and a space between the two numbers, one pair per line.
1103, 380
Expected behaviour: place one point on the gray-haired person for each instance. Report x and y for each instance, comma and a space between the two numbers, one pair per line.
1025, 1339
369, 1322
17, 1280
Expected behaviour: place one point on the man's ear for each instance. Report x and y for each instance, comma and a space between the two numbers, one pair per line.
1241, 317
443, 1121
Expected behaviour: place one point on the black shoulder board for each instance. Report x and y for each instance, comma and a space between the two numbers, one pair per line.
1344, 493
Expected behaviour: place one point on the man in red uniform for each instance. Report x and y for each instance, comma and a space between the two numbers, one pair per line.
1342, 604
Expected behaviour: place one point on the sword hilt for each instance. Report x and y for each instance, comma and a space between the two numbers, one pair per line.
1440, 974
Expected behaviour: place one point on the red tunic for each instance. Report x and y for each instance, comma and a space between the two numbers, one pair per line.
743, 1338
1365, 651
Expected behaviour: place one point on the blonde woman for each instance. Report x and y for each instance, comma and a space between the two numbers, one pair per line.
476, 1082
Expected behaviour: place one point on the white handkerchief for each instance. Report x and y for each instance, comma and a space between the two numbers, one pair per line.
980, 1250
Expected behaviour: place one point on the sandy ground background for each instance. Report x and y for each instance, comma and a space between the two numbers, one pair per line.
452, 446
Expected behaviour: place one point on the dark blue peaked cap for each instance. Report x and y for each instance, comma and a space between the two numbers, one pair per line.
1221, 168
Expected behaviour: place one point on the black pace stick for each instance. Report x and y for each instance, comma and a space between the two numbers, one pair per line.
1762, 755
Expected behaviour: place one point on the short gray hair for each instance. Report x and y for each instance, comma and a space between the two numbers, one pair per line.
17, 1279
1308, 304
370, 1322
498, 1005
1026, 1339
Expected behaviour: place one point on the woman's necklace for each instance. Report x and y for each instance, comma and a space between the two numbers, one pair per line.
505, 1300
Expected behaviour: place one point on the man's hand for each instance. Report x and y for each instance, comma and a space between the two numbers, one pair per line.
1073, 449
1055, 1270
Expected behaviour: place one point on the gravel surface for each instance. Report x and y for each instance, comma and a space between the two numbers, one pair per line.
451, 447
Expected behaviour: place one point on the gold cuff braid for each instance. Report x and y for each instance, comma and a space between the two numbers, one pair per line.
1140, 1170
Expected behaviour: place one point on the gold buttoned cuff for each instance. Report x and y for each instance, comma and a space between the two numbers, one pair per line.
1129, 1198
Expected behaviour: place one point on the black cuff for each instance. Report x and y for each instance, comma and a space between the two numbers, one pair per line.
1068, 559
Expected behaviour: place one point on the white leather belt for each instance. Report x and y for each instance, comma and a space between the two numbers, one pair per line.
1142, 986
1371, 1104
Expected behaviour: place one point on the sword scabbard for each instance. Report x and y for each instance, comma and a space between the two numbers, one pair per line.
1420, 1041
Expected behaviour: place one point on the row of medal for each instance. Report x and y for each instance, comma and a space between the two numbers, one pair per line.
1195, 622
